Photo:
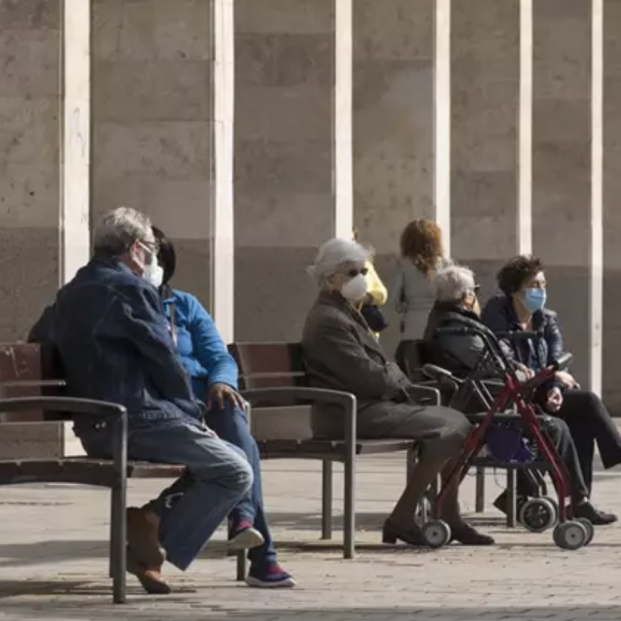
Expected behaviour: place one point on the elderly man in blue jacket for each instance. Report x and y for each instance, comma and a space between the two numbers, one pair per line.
115, 344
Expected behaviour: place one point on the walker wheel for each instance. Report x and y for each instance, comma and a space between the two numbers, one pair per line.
538, 514
436, 533
554, 503
570, 535
423, 512
590, 530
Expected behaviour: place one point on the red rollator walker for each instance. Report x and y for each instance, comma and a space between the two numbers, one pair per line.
513, 407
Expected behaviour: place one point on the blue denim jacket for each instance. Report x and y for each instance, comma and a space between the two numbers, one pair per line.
114, 342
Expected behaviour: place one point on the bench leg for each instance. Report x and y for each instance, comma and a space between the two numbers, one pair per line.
349, 518
512, 498
242, 569
326, 500
479, 495
118, 538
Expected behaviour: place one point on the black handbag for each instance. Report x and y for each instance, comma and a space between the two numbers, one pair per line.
374, 317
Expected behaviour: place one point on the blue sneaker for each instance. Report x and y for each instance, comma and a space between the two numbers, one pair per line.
271, 576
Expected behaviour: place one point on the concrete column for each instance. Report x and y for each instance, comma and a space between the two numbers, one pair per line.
611, 211
562, 164
485, 81
393, 126
76, 134
30, 147
285, 194
153, 107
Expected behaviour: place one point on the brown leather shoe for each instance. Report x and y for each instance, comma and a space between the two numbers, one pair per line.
143, 538
150, 578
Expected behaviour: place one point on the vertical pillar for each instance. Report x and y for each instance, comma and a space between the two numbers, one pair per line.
485, 80
159, 137
442, 120
394, 139
525, 124
611, 212
30, 147
562, 187
76, 135
285, 191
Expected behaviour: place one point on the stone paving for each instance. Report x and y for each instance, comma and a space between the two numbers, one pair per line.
53, 561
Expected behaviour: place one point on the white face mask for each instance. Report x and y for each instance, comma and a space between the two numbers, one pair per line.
154, 273
355, 289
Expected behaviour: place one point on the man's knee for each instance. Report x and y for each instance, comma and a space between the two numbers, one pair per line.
228, 467
452, 436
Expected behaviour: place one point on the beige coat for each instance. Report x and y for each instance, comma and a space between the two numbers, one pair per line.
342, 354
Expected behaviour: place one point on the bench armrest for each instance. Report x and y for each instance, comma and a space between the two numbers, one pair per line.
108, 411
424, 393
287, 394
32, 383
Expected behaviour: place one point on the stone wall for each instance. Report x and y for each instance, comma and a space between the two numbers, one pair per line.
483, 114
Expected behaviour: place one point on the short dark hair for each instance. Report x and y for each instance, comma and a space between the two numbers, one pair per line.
166, 256
515, 272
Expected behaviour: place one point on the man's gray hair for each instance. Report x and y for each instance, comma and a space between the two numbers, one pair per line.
335, 253
452, 283
119, 229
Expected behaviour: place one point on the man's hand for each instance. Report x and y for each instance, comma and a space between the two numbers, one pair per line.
219, 394
528, 373
555, 400
566, 379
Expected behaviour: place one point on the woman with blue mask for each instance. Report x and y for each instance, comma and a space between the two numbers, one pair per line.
522, 308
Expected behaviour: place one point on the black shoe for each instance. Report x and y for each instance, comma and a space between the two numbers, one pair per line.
469, 536
412, 535
596, 517
502, 503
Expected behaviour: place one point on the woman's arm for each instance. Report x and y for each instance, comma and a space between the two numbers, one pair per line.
209, 348
375, 287
397, 292
554, 339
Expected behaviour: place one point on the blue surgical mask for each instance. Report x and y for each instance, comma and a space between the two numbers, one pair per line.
534, 299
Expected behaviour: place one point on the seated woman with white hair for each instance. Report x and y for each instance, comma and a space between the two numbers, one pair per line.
341, 354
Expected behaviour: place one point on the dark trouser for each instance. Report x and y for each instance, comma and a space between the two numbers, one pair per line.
589, 422
560, 435
231, 424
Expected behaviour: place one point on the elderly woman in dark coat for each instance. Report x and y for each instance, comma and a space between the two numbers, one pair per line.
522, 308
341, 354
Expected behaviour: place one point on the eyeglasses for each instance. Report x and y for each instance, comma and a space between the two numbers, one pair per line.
151, 246
361, 272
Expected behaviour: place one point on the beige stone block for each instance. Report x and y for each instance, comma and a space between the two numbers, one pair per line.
561, 49
30, 277
30, 61
152, 29
31, 441
283, 113
386, 93
283, 219
26, 14
562, 120
29, 194
489, 237
29, 129
293, 17
393, 29
283, 166
180, 150
284, 60
182, 208
486, 17
163, 90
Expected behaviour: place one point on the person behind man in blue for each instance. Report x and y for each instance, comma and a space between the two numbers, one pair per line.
109, 328
214, 376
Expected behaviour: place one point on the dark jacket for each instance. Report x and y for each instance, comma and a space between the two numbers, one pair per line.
500, 317
341, 353
114, 344
459, 353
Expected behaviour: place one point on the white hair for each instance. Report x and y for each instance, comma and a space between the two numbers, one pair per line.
453, 283
119, 229
335, 253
